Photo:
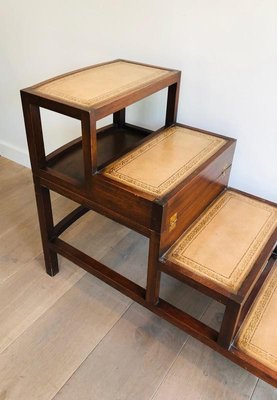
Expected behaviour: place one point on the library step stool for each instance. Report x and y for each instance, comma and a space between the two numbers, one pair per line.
171, 186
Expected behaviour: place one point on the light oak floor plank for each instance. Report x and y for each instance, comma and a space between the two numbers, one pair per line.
30, 291
19, 234
201, 373
129, 362
22, 243
17, 200
17, 197
42, 359
73, 337
132, 360
264, 391
28, 294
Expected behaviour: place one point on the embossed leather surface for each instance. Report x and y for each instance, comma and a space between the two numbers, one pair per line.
164, 161
94, 85
225, 241
258, 336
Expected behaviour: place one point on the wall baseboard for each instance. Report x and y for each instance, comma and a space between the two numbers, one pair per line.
14, 153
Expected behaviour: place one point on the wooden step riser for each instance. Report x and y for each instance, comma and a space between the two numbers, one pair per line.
188, 203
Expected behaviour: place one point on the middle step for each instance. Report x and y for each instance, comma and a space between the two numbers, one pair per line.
168, 180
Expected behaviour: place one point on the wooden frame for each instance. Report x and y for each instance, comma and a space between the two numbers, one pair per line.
148, 216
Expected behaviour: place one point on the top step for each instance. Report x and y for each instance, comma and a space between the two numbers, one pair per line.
100, 85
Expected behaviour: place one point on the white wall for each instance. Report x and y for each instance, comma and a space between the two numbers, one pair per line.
227, 51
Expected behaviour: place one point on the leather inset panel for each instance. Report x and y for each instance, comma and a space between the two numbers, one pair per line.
94, 85
224, 242
165, 160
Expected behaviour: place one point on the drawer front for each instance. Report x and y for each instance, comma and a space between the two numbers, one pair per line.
123, 206
186, 205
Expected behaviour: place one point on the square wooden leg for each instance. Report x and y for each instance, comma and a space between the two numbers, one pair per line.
153, 274
229, 324
46, 228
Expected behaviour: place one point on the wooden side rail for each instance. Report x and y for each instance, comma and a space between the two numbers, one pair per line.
165, 310
61, 226
236, 307
236, 311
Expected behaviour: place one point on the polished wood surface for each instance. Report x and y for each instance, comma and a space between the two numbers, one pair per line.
55, 332
162, 219
112, 142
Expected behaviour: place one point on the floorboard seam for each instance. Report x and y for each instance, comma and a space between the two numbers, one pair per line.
177, 355
250, 398
39, 316
93, 350
52, 305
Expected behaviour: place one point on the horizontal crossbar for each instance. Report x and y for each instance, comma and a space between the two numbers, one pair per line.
163, 309
61, 226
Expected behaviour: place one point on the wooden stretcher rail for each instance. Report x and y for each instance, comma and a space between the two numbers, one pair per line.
92, 205
163, 309
65, 223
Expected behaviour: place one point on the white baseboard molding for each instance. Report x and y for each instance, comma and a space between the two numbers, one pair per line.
14, 153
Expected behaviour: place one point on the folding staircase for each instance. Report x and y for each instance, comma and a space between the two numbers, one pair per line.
171, 186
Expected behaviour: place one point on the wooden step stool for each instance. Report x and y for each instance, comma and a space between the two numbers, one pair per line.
169, 185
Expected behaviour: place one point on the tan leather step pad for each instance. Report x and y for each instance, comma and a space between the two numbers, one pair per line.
165, 160
97, 84
223, 244
258, 335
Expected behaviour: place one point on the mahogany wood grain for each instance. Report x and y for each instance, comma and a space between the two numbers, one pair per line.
179, 318
153, 272
119, 117
62, 225
46, 228
79, 197
250, 299
112, 142
195, 195
72, 171
229, 324
172, 103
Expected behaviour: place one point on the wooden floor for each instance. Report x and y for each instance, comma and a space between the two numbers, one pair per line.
72, 337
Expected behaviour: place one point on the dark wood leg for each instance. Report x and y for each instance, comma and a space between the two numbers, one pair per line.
153, 273
172, 104
229, 324
89, 144
119, 117
274, 254
46, 228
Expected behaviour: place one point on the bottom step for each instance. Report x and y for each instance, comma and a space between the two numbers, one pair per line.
258, 336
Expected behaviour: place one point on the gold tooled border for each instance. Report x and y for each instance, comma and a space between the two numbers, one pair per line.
49, 88
232, 282
253, 321
113, 169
